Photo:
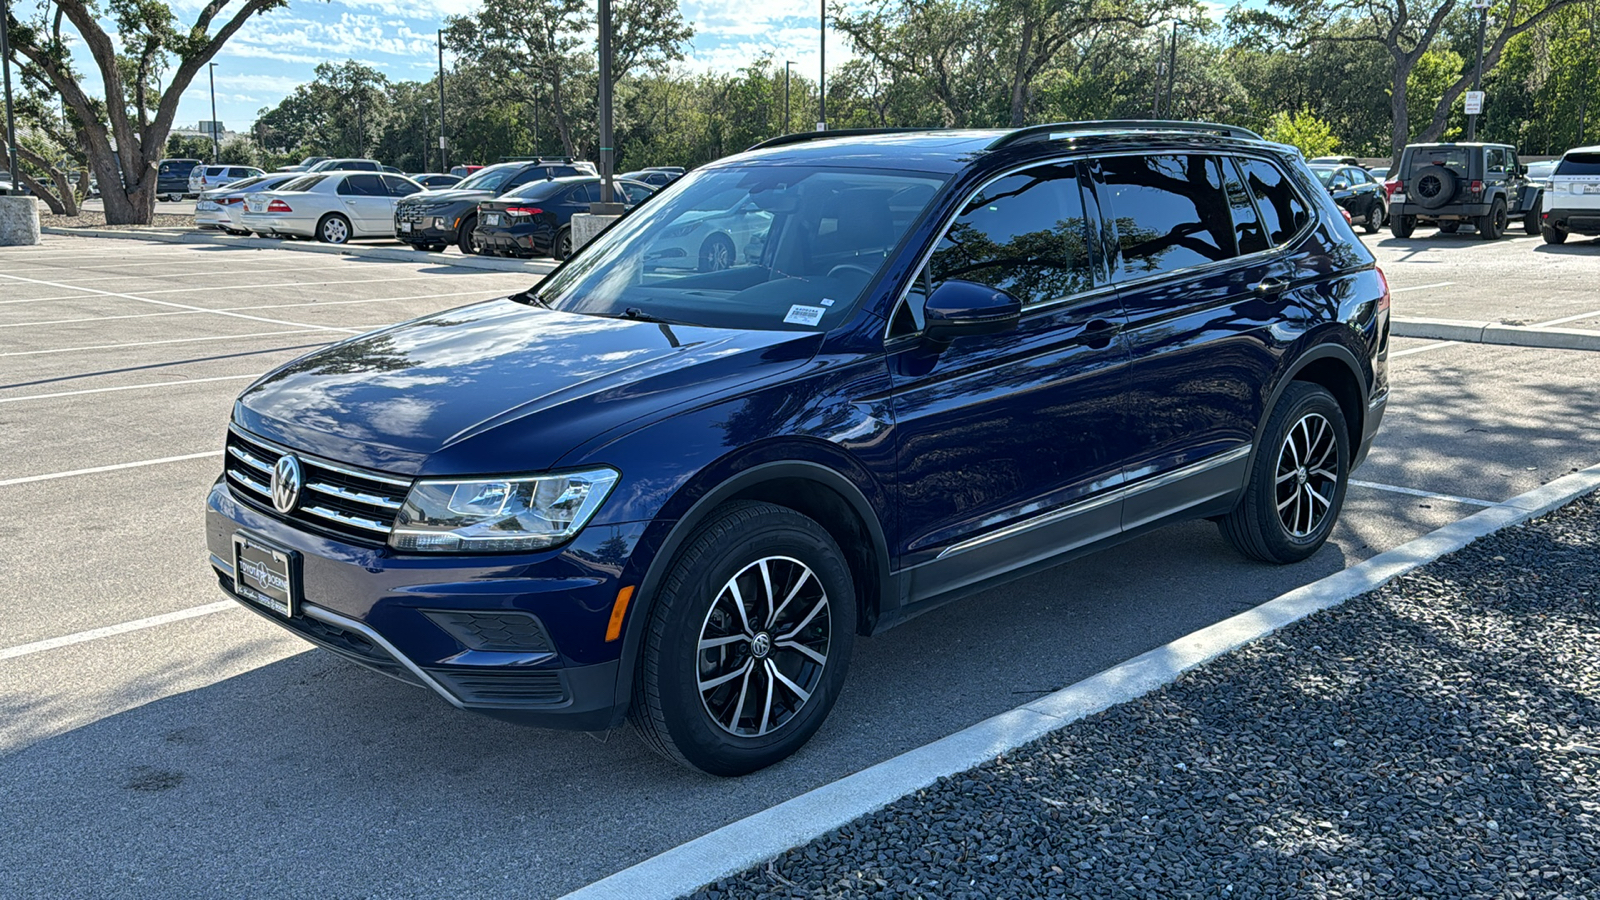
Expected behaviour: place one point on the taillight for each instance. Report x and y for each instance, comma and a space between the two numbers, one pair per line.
1383, 302
278, 206
1477, 187
229, 201
523, 211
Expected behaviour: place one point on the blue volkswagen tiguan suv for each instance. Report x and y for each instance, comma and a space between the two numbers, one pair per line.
946, 359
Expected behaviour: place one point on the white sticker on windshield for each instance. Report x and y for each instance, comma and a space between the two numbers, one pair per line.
827, 301
804, 315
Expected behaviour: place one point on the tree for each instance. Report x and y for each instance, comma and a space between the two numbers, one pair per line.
1312, 135
124, 133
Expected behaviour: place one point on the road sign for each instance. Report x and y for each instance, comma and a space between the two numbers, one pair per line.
443, 144
1480, 4
1474, 102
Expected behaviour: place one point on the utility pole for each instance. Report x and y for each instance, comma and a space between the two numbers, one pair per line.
216, 142
606, 152
822, 79
439, 37
1172, 69
11, 119
787, 65
1477, 80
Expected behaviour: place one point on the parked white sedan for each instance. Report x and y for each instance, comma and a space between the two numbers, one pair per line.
223, 209
333, 207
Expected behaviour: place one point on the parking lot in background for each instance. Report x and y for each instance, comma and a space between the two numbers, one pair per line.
212, 753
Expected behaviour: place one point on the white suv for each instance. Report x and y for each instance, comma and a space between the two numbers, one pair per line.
209, 178
1572, 201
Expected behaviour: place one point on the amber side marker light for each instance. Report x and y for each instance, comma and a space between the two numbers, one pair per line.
618, 610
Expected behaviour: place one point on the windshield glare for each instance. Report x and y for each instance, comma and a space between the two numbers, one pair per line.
757, 247
484, 179
1323, 175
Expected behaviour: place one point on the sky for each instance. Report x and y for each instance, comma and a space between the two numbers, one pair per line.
276, 51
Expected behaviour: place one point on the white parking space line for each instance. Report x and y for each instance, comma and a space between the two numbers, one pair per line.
29, 479
1424, 349
92, 634
304, 284
210, 273
170, 303
1565, 319
1413, 492
192, 340
127, 387
1421, 287
313, 303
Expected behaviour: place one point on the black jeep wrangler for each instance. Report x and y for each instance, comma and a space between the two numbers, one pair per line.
1449, 184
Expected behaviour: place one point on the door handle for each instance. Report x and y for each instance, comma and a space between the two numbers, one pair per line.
1270, 286
1097, 333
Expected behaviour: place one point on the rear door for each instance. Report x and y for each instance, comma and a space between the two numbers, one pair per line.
1010, 446
1203, 288
367, 203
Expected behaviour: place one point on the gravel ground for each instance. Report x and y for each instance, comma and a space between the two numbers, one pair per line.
1439, 737
160, 221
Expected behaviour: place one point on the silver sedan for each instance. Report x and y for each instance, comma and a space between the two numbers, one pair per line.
333, 207
223, 208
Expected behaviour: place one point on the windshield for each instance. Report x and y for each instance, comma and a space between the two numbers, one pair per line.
756, 247
486, 179
1323, 175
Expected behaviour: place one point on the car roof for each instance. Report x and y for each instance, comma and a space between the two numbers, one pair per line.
1593, 148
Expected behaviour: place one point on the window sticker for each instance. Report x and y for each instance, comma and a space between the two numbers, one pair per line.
804, 315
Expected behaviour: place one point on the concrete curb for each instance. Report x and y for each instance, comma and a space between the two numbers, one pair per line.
766, 834
388, 253
1494, 333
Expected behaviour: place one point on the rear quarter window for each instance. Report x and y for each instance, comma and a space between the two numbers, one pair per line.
1579, 164
1283, 211
1171, 211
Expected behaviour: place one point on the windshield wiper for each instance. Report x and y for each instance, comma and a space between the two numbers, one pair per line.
639, 315
530, 297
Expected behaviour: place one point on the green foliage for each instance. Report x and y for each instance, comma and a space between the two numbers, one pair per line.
184, 146
1303, 129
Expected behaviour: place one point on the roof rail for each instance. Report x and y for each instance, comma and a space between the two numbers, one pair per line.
1061, 129
801, 137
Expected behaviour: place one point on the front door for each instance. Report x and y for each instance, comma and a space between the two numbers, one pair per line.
1010, 446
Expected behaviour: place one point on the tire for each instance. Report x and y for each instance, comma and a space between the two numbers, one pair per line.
1375, 217
1449, 227
1554, 235
1289, 508
716, 254
1492, 227
561, 247
464, 241
750, 552
1530, 221
1432, 186
1402, 226
333, 229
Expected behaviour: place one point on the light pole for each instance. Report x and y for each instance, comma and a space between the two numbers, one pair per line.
822, 72
216, 144
439, 36
11, 120
1477, 80
787, 65
605, 101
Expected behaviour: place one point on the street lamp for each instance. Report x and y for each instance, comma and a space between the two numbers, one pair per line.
439, 36
606, 153
1475, 103
5, 64
787, 65
822, 70
216, 145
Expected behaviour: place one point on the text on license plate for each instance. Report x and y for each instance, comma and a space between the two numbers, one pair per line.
405, 226
265, 575
491, 219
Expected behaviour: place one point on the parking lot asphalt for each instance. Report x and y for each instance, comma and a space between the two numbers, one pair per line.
217, 754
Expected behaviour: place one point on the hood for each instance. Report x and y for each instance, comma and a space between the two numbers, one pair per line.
499, 386
447, 195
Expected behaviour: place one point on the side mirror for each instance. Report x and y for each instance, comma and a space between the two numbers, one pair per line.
958, 308
1341, 185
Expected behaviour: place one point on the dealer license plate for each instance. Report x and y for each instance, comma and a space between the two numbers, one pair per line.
405, 227
491, 219
1590, 188
266, 575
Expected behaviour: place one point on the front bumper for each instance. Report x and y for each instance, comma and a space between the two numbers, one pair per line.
383, 611
1572, 221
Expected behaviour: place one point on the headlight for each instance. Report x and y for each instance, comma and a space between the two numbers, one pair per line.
497, 515
678, 231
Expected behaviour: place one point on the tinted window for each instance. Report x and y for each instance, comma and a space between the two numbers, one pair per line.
488, 179
1282, 211
1357, 176
1579, 164
1495, 160
400, 186
1025, 234
1170, 211
634, 192
363, 186
1248, 233
588, 193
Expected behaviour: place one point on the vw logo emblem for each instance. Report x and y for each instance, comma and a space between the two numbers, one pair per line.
286, 483
761, 646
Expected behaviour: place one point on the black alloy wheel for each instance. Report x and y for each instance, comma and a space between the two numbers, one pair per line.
1297, 480
464, 239
747, 641
561, 247
1492, 227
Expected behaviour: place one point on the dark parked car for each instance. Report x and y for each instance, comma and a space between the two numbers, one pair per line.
1450, 185
436, 181
435, 219
677, 497
656, 178
172, 178
536, 219
1357, 192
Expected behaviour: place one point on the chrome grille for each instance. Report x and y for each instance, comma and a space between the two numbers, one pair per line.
414, 212
349, 502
